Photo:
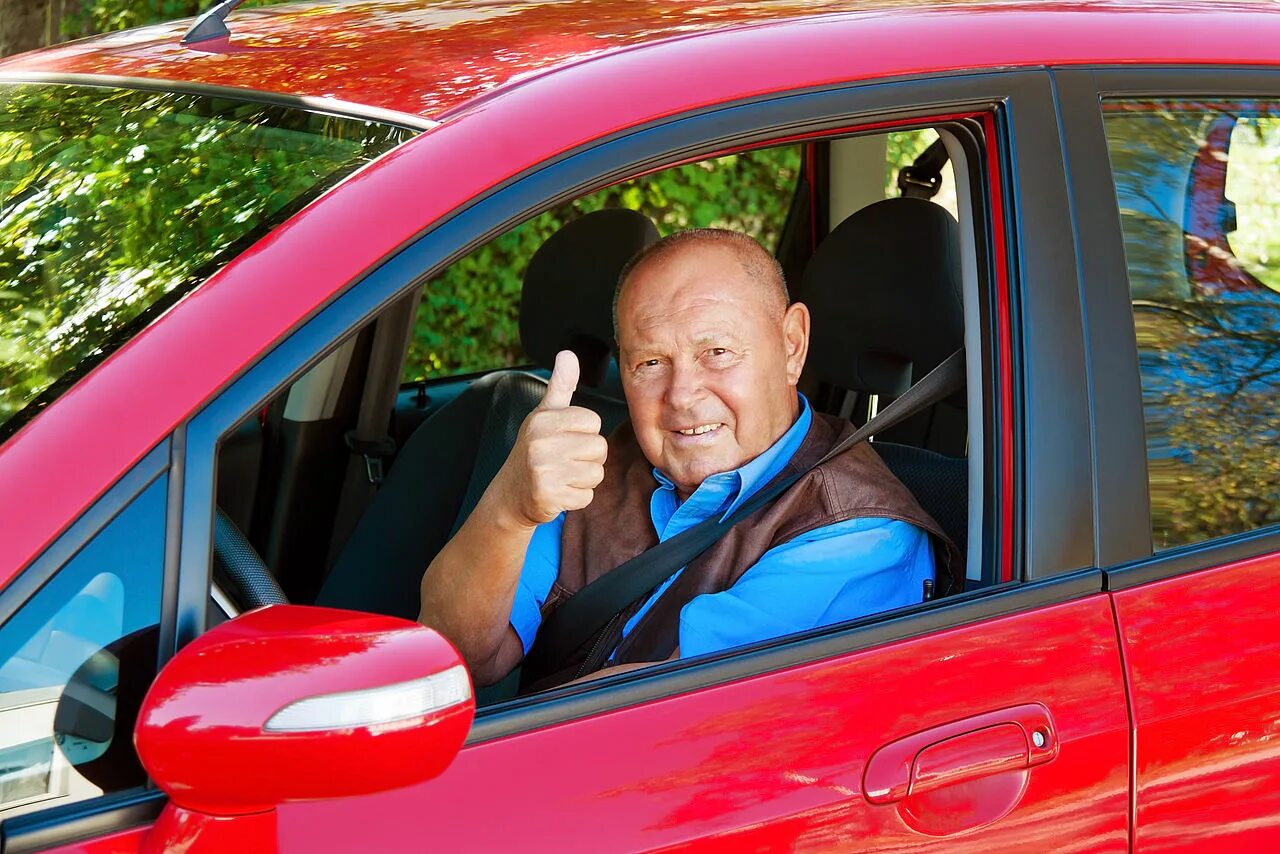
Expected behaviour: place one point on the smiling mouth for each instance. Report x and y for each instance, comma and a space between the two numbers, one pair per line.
700, 429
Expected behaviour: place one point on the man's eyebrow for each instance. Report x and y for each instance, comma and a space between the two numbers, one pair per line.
718, 336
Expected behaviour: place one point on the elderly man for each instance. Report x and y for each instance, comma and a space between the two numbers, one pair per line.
710, 352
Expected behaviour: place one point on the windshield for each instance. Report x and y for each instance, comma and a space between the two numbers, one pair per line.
114, 203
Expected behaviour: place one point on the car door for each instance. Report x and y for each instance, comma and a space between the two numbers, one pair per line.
1183, 166
992, 718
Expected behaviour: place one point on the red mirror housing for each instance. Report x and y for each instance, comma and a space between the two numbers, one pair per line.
291, 703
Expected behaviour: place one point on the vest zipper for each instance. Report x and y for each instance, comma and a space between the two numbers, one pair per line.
588, 663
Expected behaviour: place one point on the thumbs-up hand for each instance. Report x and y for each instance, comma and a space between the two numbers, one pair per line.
558, 458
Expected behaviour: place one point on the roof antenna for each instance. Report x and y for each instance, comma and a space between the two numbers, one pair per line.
210, 25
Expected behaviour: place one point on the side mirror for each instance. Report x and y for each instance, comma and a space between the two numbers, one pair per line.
291, 703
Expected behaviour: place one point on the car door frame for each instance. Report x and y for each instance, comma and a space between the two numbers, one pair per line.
1122, 502
1053, 497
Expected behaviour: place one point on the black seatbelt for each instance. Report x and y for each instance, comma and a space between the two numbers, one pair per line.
369, 442
923, 178
588, 610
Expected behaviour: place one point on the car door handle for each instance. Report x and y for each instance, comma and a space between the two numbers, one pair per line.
986, 744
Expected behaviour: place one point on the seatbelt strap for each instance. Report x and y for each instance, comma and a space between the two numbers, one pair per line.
369, 442
588, 610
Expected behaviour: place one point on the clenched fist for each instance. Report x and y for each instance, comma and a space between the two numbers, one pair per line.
558, 458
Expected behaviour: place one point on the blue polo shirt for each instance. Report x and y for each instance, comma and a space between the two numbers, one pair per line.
828, 575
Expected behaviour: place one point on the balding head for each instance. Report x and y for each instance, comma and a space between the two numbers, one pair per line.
761, 267
710, 353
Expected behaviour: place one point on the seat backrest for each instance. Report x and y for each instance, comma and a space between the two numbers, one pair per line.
939, 483
450, 459
884, 289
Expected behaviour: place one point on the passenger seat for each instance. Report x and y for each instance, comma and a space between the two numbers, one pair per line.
884, 291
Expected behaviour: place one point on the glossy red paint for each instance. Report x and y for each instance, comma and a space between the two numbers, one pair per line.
431, 59
899, 769
121, 842
202, 733
776, 762
1203, 656
190, 832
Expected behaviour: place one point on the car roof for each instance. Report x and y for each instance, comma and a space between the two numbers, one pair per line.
427, 59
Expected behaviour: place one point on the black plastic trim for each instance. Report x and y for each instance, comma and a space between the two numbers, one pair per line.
1192, 558
85, 528
74, 822
1119, 463
1185, 81
167, 643
679, 677
1052, 475
324, 106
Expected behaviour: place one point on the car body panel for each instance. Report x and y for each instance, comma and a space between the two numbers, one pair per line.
1203, 658
777, 761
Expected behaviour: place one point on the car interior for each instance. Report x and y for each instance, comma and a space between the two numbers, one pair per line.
342, 489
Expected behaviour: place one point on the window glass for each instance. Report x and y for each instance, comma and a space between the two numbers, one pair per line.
1198, 185
115, 202
469, 316
75, 662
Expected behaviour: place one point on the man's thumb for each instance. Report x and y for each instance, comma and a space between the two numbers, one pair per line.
563, 382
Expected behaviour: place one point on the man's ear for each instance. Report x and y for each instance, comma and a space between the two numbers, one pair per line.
795, 336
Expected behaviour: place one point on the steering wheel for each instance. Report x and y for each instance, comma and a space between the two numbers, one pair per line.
235, 557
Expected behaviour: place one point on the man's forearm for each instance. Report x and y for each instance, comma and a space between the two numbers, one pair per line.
468, 589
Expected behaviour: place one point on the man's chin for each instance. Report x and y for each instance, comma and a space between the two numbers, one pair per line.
689, 475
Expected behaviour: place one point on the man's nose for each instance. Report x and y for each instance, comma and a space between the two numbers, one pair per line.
685, 387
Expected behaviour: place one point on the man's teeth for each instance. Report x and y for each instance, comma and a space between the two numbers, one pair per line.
699, 430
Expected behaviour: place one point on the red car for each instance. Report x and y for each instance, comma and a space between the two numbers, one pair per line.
267, 287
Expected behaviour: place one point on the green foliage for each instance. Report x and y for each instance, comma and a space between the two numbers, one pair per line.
112, 200
104, 16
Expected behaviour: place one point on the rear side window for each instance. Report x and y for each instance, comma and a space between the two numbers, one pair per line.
1198, 185
114, 203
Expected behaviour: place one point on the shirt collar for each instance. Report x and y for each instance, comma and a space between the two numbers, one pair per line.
743, 482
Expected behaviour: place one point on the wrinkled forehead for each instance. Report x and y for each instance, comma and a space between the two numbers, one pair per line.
700, 290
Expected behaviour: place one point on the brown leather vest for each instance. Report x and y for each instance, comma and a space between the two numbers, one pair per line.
617, 526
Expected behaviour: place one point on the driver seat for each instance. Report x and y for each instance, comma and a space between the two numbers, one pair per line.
450, 459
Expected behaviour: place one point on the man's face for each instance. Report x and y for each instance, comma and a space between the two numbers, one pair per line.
710, 360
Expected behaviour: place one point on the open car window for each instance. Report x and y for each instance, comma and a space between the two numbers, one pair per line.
453, 424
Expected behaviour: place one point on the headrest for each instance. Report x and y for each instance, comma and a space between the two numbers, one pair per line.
884, 292
567, 302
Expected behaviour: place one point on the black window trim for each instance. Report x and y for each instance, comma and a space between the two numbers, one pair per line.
1126, 547
1023, 95
63, 825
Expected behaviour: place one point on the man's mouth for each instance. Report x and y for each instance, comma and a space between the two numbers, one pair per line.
700, 429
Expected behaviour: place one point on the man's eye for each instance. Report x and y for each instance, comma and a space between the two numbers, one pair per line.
717, 351
648, 363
